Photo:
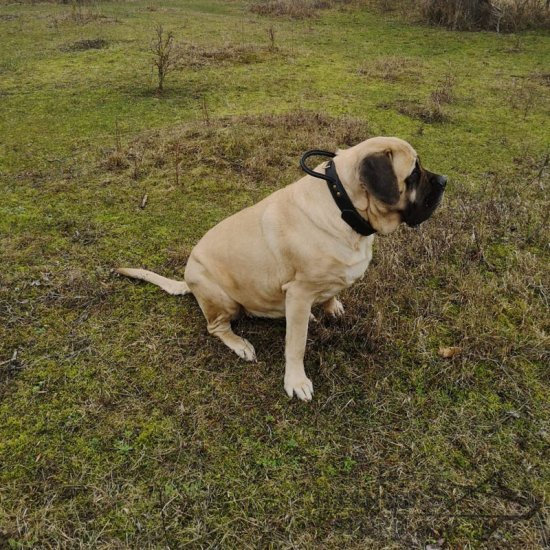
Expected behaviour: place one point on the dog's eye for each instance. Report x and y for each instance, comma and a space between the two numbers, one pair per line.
414, 177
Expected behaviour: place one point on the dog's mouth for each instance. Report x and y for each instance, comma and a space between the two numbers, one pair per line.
428, 198
415, 215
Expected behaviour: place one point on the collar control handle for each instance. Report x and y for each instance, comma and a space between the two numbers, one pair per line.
315, 153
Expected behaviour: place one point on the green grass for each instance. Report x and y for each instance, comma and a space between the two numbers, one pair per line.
123, 424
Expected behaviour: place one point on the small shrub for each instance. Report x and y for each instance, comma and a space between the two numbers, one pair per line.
444, 92
523, 96
459, 14
271, 36
115, 160
516, 15
81, 15
165, 55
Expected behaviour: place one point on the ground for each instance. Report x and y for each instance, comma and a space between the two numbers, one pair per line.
123, 424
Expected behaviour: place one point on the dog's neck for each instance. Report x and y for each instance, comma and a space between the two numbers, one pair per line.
348, 210
346, 173
376, 215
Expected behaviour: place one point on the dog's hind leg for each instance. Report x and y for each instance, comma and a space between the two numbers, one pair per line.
218, 308
220, 326
333, 307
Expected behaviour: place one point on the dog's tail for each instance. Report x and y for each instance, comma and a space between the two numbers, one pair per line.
169, 285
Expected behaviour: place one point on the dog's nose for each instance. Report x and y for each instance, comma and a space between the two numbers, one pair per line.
441, 181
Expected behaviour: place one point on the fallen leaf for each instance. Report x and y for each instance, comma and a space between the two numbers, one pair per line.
447, 353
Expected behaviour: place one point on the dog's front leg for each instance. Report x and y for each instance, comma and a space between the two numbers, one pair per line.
298, 302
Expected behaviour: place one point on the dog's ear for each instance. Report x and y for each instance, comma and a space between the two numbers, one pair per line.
377, 176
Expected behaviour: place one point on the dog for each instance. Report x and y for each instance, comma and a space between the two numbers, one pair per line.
297, 248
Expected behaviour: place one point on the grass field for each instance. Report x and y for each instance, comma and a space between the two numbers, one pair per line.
123, 424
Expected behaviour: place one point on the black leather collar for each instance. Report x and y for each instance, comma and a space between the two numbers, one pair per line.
341, 198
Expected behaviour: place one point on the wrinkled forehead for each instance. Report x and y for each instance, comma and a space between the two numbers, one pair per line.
403, 155
405, 161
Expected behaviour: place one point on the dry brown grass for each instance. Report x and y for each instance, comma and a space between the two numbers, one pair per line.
433, 108
193, 55
468, 278
524, 95
517, 15
428, 111
244, 144
86, 44
458, 14
400, 447
392, 68
444, 92
495, 15
115, 160
476, 255
295, 9
542, 77
123, 424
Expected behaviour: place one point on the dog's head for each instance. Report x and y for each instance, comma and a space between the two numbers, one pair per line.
387, 180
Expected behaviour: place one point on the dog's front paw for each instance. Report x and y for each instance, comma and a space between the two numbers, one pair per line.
334, 307
300, 385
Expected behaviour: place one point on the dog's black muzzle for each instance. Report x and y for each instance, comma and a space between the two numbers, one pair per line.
429, 193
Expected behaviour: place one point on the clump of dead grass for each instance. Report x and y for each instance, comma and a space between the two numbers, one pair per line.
433, 108
444, 92
517, 15
86, 44
493, 15
115, 160
392, 68
542, 77
429, 111
80, 14
294, 9
524, 95
458, 14
258, 149
195, 56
